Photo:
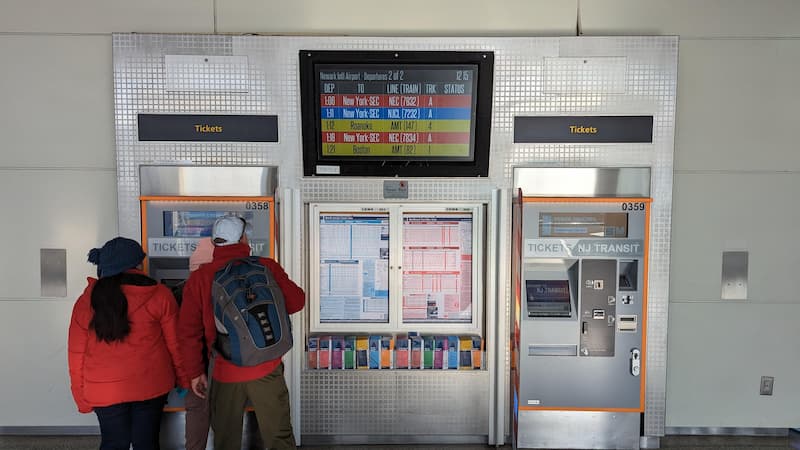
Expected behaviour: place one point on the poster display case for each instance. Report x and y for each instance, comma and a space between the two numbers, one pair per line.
396, 268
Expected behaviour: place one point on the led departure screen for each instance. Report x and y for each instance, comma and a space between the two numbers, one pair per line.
396, 113
391, 111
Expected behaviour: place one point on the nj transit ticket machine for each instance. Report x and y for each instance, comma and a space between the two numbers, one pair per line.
175, 216
580, 279
179, 205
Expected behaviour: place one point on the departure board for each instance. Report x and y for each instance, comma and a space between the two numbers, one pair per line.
396, 113
408, 111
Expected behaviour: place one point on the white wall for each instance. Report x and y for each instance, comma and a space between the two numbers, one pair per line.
737, 171
737, 179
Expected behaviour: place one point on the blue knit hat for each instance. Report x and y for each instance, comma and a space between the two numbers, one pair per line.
116, 256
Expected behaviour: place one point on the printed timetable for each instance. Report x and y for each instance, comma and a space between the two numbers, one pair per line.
408, 111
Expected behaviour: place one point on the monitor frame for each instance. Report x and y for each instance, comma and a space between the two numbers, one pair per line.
316, 165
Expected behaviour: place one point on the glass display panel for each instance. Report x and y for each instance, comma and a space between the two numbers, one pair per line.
437, 268
196, 223
583, 224
354, 268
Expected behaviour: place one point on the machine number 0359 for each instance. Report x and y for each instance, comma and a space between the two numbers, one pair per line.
631, 206
256, 205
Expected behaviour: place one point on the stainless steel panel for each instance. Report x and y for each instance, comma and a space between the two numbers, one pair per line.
583, 181
394, 402
413, 439
734, 275
53, 268
591, 75
194, 73
173, 436
649, 442
552, 350
214, 181
726, 431
578, 429
597, 315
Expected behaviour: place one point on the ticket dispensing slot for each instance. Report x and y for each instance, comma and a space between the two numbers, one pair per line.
628, 275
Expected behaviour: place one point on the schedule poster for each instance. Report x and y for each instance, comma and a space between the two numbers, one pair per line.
437, 268
354, 268
408, 111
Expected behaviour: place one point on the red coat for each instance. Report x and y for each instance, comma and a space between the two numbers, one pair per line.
196, 325
141, 366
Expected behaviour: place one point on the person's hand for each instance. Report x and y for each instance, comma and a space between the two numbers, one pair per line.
199, 385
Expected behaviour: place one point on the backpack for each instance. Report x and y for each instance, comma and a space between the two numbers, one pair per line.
253, 326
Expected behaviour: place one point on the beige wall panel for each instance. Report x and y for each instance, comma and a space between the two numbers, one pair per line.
706, 18
107, 16
74, 210
35, 388
737, 105
58, 107
412, 17
714, 212
717, 355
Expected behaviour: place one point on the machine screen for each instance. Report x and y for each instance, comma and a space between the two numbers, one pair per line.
195, 224
548, 297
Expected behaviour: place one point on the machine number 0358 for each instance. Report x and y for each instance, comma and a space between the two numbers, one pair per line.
631, 206
256, 205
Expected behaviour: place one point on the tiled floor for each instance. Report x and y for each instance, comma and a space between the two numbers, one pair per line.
669, 442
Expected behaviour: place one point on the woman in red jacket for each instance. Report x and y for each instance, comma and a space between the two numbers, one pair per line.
123, 350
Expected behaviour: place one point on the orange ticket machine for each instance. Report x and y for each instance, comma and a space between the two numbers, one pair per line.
580, 312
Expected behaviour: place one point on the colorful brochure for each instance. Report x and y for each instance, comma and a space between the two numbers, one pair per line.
362, 349
313, 352
349, 352
337, 351
374, 352
402, 353
387, 345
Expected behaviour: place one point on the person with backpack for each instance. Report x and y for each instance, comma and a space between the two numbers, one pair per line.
238, 306
123, 350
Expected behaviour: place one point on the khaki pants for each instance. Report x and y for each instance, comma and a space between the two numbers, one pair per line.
270, 399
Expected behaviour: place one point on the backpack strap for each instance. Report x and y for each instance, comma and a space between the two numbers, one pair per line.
250, 261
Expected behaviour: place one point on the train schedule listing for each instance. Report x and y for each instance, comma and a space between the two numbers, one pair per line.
407, 111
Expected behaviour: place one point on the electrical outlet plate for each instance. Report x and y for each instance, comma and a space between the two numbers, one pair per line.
766, 385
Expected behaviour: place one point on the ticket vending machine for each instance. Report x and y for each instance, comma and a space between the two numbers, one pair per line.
175, 216
580, 282
179, 205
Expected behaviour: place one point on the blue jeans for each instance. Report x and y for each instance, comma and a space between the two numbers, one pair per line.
136, 423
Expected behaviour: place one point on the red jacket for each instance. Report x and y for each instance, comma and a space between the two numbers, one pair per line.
196, 325
141, 366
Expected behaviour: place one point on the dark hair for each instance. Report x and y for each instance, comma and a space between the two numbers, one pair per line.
110, 320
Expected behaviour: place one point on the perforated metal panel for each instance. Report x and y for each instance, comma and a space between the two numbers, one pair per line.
523, 85
394, 402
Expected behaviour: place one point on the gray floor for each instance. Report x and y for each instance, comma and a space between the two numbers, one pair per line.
672, 442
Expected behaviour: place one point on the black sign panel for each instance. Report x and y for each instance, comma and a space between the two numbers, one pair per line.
583, 129
208, 128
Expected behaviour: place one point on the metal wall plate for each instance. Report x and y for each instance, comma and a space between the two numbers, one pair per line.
176, 180
53, 262
734, 275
